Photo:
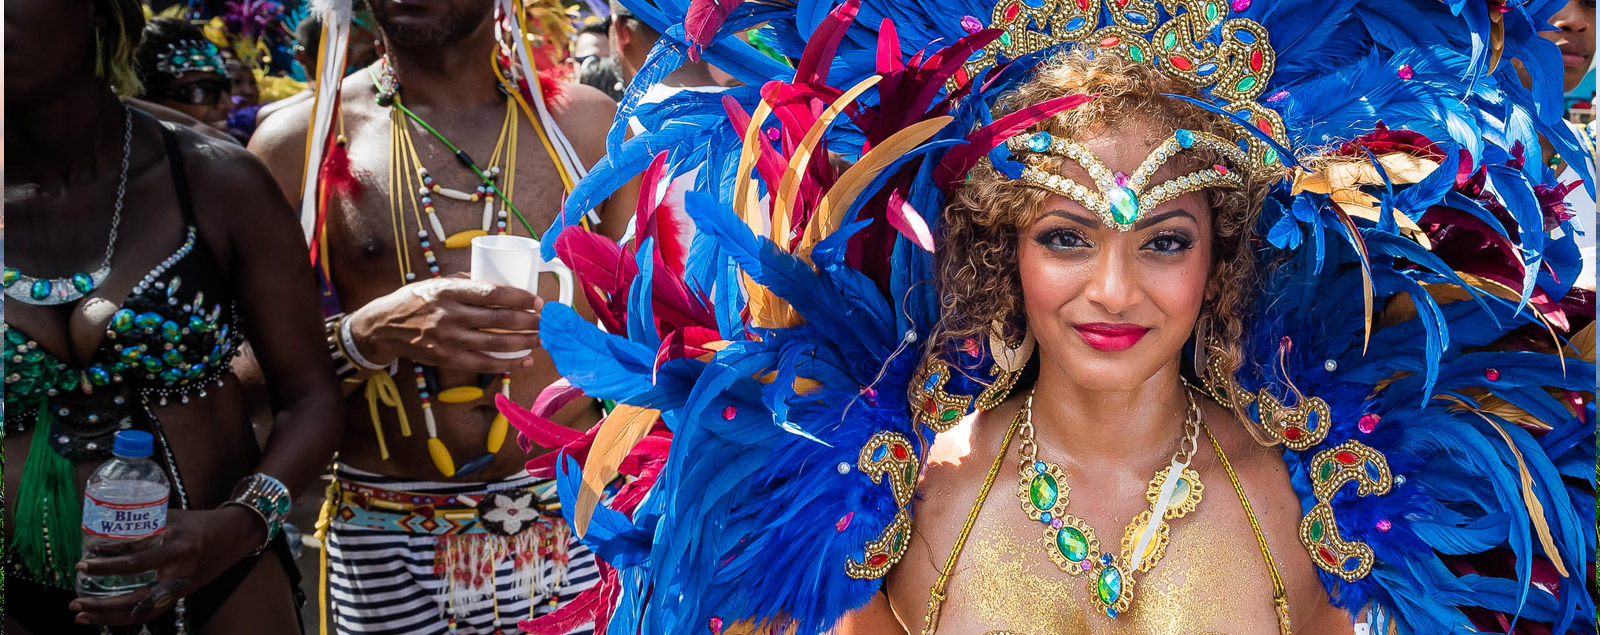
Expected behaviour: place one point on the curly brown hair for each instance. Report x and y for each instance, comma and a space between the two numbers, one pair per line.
978, 280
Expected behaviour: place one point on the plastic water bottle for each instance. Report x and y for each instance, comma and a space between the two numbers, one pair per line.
124, 512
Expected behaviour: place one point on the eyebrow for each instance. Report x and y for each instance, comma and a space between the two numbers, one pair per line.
1142, 224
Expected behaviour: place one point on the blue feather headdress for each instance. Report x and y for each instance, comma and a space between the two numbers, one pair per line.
764, 329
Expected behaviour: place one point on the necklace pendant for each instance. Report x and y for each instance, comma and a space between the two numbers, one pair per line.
51, 291
1111, 586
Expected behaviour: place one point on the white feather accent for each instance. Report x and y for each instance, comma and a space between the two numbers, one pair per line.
1158, 511
335, 39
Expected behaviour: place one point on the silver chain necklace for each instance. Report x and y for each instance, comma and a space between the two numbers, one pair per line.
48, 291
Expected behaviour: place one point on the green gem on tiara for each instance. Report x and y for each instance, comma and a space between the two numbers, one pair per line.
1124, 205
1039, 142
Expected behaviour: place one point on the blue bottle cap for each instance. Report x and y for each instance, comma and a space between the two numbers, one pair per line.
133, 444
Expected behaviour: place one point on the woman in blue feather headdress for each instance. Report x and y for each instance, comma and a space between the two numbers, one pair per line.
1050, 316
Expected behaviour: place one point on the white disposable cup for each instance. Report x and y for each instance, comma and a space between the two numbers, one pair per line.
514, 261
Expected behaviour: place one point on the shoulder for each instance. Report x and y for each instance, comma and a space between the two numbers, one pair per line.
585, 115
233, 192
283, 131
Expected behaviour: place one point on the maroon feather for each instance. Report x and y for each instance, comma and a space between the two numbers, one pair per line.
961, 159
701, 22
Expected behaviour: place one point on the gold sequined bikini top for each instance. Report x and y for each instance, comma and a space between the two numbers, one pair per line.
936, 598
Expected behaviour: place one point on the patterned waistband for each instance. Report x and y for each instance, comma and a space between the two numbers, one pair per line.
506, 508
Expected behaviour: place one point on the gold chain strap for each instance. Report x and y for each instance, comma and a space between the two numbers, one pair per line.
1280, 598
930, 622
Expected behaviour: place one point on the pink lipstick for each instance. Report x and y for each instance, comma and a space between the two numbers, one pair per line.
1111, 337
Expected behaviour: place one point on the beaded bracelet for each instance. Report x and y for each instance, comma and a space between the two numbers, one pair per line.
268, 498
342, 366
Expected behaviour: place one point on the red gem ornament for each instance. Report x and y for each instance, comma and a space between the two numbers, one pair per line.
1181, 62
1111, 40
1491, 375
729, 412
1240, 5
715, 624
1327, 556
1255, 60
1405, 71
1221, 169
1384, 525
878, 560
1012, 10
1346, 457
1293, 434
899, 452
844, 521
1367, 422
1083, 5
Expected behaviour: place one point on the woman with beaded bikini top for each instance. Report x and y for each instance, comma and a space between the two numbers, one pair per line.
141, 258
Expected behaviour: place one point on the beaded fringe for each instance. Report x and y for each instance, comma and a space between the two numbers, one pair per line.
466, 563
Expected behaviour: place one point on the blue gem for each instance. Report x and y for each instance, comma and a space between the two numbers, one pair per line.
1045, 518
1038, 466
41, 290
1034, 3
931, 381
878, 452
1351, 564
1105, 558
1206, 69
1136, 18
1185, 138
1111, 613
1372, 471
1074, 24
1039, 142
1245, 36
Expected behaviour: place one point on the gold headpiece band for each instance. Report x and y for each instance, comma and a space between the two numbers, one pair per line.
1123, 198
1228, 59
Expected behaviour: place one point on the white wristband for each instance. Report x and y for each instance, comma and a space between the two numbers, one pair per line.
349, 343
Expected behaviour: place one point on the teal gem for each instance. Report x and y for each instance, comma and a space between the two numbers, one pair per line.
171, 376
1185, 137
41, 289
1271, 156
172, 358
122, 320
1109, 585
1124, 205
1039, 142
9, 276
1043, 491
82, 282
98, 376
147, 321
130, 355
1072, 544
170, 331
198, 324
151, 363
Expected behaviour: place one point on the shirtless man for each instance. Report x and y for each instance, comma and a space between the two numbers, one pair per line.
410, 567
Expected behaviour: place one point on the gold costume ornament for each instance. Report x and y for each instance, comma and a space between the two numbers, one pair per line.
1299, 428
1331, 470
887, 455
1228, 58
1123, 199
932, 406
1074, 546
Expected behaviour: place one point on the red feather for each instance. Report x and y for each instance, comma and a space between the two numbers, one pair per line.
703, 19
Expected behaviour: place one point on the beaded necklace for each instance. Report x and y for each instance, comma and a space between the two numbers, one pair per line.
408, 175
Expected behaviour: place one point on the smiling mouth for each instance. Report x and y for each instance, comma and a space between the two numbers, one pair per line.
1111, 337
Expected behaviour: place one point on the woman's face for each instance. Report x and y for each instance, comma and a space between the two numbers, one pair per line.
199, 94
1111, 308
1574, 34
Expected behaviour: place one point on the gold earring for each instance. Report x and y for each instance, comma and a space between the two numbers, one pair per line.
1009, 360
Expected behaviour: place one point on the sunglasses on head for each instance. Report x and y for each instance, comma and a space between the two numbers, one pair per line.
201, 92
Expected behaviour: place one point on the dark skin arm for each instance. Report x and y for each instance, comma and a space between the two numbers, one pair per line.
254, 233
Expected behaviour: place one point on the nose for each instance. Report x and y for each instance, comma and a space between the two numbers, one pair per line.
1571, 18
1113, 286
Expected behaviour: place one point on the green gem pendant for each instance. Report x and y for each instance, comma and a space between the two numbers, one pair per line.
1074, 546
9, 277
1108, 585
